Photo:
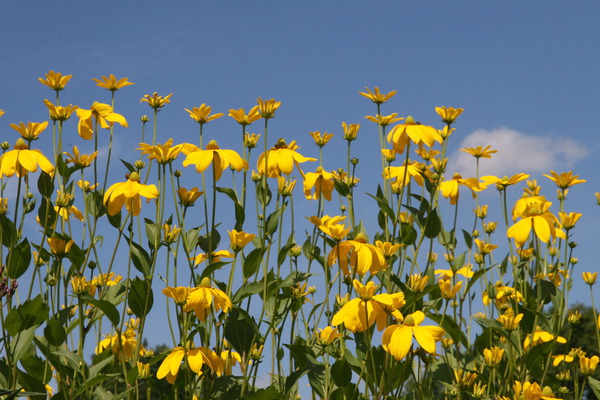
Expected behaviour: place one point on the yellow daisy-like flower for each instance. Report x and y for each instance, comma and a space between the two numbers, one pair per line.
568, 221
502, 183
465, 271
202, 298
541, 336
128, 193
449, 188
267, 108
221, 159
331, 226
110, 279
103, 114
196, 358
162, 153
251, 140
350, 131
447, 289
80, 160
493, 356
31, 131
244, 119
155, 101
328, 335
479, 151
321, 181
187, 198
485, 248
60, 113
535, 216
202, 114
60, 247
179, 294
215, 257
565, 180
400, 135
122, 345
21, 160
384, 120
55, 80
589, 277
360, 255
588, 365
112, 83
377, 97
397, 339
360, 313
321, 139
281, 159
404, 173
448, 114
510, 322
239, 240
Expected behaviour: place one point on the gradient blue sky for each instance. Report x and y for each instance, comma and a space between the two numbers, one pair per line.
526, 73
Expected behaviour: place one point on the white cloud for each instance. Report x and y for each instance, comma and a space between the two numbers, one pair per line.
517, 152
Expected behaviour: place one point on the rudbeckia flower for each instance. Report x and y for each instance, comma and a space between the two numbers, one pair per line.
21, 160
479, 151
331, 226
187, 198
60, 113
31, 131
103, 114
321, 139
447, 289
244, 119
397, 339
196, 358
328, 335
179, 294
360, 313
121, 345
162, 153
534, 216
267, 108
80, 160
281, 159
202, 298
363, 257
321, 181
410, 130
384, 120
60, 247
128, 193
112, 83
448, 114
155, 101
215, 257
541, 336
220, 159
239, 240
404, 173
502, 183
377, 97
565, 180
202, 114
55, 80
450, 187
350, 131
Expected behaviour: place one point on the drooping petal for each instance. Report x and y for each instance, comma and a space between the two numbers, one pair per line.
171, 363
397, 340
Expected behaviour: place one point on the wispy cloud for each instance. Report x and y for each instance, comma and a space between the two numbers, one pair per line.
517, 152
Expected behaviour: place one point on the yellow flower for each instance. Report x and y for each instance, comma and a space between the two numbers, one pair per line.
179, 294
400, 135
541, 336
60, 247
484, 248
449, 188
80, 160
589, 277
281, 159
155, 101
86, 186
426, 154
384, 120
122, 345
143, 370
82, 286
31, 131
21, 160
328, 335
128, 193
493, 356
111, 83
465, 271
162, 153
2, 112
404, 173
447, 289
187, 198
565, 180
350, 131
55, 80
510, 322
244, 119
417, 282
502, 183
568, 221
534, 215
103, 114
363, 257
110, 279
196, 358
60, 113
202, 114
331, 226
285, 186
321, 181
448, 114
397, 339
3, 205
321, 140
377, 97
360, 313
479, 151
239, 240
588, 365
388, 249
170, 233
204, 297
220, 159
251, 140
267, 108
215, 257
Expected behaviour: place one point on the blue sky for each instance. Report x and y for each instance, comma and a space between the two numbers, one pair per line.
526, 73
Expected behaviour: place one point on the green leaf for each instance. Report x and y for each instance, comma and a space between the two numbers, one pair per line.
9, 232
341, 372
36, 366
55, 332
190, 239
246, 290
18, 259
241, 330
29, 314
127, 165
283, 252
252, 262
140, 258
94, 206
22, 343
451, 328
595, 386
140, 298
269, 393
47, 215
106, 307
433, 226
63, 169
240, 214
209, 243
341, 187
383, 205
153, 233
468, 239
45, 185
273, 221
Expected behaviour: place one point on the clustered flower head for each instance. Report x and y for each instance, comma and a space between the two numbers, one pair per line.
22, 160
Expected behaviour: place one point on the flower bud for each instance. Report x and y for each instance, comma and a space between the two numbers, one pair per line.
144, 118
139, 164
